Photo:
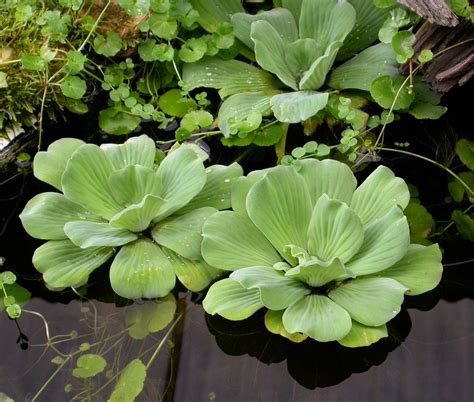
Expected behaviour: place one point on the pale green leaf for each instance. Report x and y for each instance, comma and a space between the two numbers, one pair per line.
378, 194
243, 246
130, 383
231, 300
359, 72
390, 93
114, 121
420, 221
328, 177
212, 13
63, 264
142, 270
93, 234
318, 273
45, 215
89, 365
230, 77
287, 210
362, 335
182, 233
465, 151
370, 301
85, 181
49, 166
241, 188
274, 323
318, 317
194, 275
73, 87
294, 107
386, 241
270, 51
294, 6
277, 291
301, 54
420, 270
335, 231
135, 151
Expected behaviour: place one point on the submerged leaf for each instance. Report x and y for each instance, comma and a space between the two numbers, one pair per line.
89, 365
130, 383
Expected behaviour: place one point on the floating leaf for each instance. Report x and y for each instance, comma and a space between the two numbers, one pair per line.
362, 335
274, 323
89, 365
109, 46
294, 107
391, 94
113, 121
174, 103
73, 87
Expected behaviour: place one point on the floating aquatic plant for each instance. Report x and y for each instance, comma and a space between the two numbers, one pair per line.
116, 197
328, 260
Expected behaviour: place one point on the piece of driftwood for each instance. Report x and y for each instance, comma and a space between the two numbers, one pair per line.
435, 11
454, 63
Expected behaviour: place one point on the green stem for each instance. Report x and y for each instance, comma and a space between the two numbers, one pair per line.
94, 26
51, 378
453, 264
280, 148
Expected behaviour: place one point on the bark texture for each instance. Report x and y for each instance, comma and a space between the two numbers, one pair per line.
435, 11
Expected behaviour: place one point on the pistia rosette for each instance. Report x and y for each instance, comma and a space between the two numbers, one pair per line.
117, 198
329, 260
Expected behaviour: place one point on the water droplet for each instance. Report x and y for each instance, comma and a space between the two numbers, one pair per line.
208, 74
226, 180
222, 199
394, 311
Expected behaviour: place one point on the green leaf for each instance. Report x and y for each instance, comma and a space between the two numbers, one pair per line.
326, 21
174, 104
32, 62
212, 13
243, 246
386, 241
274, 323
142, 270
193, 50
3, 80
229, 76
89, 365
237, 108
268, 136
318, 317
135, 7
85, 181
93, 234
182, 234
317, 273
115, 122
130, 383
464, 224
370, 301
73, 87
402, 44
287, 211
424, 110
163, 26
182, 176
63, 264
421, 223
109, 46
150, 51
135, 151
457, 190
194, 275
328, 177
197, 119
420, 270
465, 151
294, 6
45, 215
19, 293
270, 52
150, 317
49, 166
390, 94
277, 291
75, 62
378, 194
216, 193
231, 300
240, 189
301, 54
294, 107
360, 71
362, 335
334, 230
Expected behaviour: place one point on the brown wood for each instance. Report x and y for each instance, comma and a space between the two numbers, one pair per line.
435, 11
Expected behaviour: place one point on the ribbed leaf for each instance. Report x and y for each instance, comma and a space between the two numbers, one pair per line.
317, 274
182, 233
276, 290
89, 234
142, 270
229, 76
241, 188
86, 181
378, 194
135, 151
318, 317
370, 301
231, 300
362, 335
420, 270
301, 54
328, 177
294, 6
49, 166
279, 18
212, 13
274, 323
359, 72
45, 215
231, 241
294, 107
287, 207
63, 264
335, 231
270, 50
386, 241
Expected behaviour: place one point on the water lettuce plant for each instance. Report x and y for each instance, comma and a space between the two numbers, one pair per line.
295, 46
116, 197
329, 260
